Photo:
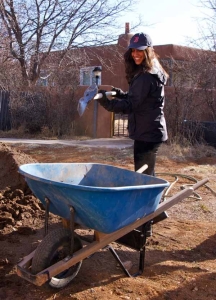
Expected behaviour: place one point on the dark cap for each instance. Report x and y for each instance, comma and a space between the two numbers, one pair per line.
140, 41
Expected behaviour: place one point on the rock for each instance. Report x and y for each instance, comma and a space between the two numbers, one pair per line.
6, 217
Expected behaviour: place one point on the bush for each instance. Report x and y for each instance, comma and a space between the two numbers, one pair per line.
29, 110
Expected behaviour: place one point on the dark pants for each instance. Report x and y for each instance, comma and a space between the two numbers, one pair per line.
145, 153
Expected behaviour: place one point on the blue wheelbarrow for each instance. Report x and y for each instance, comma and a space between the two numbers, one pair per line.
117, 204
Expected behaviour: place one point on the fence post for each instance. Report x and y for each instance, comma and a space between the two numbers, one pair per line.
5, 123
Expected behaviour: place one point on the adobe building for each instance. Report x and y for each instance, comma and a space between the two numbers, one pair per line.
96, 122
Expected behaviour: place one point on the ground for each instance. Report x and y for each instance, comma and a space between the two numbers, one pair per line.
180, 262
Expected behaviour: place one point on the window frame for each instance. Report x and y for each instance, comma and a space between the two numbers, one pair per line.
92, 78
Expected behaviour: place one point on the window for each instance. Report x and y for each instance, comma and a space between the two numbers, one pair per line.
42, 82
87, 77
43, 79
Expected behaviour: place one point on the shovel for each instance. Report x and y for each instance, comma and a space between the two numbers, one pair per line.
90, 94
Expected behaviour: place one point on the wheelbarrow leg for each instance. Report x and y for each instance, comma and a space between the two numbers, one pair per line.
141, 262
114, 253
143, 237
136, 239
46, 225
72, 229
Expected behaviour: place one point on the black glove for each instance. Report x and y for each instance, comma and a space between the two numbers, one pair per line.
104, 101
119, 93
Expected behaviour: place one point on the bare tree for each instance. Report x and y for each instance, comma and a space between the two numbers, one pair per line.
210, 20
35, 28
192, 96
206, 26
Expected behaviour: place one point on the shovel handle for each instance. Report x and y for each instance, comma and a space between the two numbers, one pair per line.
100, 95
143, 168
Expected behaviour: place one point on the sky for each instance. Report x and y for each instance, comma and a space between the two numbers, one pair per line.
169, 21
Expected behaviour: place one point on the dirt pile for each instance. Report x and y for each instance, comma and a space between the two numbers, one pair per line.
17, 203
10, 160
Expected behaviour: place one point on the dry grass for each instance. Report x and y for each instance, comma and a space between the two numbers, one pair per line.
46, 134
179, 152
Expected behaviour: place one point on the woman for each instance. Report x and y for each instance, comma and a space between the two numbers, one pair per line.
144, 102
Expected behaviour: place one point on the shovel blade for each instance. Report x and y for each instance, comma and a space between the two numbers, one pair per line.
89, 94
81, 106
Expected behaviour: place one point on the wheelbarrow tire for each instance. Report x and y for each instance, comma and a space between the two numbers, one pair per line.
54, 247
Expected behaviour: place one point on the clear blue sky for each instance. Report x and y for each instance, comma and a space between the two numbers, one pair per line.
173, 21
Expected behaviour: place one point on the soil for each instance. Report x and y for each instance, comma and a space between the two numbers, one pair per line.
180, 261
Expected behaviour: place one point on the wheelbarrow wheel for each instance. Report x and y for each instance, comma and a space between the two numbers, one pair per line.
53, 248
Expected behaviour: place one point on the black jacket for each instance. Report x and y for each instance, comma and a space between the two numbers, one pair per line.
144, 105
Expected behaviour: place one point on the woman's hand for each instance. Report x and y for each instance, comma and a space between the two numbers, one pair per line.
103, 100
118, 91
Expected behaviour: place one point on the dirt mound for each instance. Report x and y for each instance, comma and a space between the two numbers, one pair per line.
10, 160
17, 203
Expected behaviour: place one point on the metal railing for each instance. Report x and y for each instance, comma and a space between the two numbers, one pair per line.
120, 125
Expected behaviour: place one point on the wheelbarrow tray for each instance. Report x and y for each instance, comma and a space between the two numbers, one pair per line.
105, 198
